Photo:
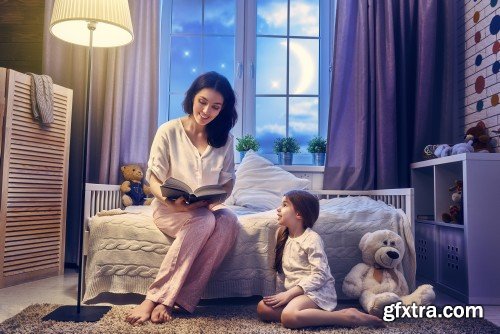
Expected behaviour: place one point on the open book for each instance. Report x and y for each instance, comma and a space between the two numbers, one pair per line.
173, 189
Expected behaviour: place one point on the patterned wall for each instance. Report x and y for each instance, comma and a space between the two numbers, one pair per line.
482, 65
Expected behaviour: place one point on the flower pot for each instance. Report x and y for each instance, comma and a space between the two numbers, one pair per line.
318, 159
242, 154
285, 158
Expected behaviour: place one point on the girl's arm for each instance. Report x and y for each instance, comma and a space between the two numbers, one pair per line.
283, 298
319, 265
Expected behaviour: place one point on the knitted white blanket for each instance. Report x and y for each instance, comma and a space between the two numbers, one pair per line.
125, 250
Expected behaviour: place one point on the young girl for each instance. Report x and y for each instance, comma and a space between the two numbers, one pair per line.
310, 295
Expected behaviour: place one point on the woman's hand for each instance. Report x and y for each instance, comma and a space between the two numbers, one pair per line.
180, 205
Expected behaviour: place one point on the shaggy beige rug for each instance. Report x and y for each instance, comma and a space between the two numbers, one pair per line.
220, 319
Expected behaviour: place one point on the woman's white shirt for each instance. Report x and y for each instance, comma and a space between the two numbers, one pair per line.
174, 155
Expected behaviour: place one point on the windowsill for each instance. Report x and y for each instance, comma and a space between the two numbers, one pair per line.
303, 168
301, 162
299, 168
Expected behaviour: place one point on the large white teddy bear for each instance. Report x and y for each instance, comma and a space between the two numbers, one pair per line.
377, 282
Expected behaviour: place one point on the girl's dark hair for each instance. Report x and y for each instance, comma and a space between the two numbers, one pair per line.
218, 129
307, 206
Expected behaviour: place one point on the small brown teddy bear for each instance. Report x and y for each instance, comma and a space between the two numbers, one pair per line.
481, 141
454, 214
135, 192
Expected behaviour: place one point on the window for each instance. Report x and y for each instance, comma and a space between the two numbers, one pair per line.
276, 53
197, 36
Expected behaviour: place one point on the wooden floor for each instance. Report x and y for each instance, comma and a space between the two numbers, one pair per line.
62, 290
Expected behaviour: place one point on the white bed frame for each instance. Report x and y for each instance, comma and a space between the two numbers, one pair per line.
99, 197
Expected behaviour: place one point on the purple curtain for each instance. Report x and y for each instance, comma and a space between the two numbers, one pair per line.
393, 89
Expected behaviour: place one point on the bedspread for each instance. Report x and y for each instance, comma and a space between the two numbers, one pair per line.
125, 250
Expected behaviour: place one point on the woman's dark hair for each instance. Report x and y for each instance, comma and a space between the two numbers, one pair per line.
218, 129
307, 206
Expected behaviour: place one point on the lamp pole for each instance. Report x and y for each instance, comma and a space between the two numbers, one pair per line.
85, 313
109, 25
88, 93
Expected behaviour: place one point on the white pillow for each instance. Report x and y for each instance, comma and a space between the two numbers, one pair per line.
260, 184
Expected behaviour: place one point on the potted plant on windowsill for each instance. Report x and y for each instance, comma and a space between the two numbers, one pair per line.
317, 147
285, 148
246, 143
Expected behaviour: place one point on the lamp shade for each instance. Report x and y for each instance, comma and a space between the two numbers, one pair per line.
70, 20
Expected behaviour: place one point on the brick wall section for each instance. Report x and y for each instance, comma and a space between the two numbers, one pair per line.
482, 65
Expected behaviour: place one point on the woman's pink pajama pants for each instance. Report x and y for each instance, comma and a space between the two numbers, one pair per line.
202, 240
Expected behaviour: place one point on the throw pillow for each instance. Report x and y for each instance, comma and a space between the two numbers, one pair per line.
260, 184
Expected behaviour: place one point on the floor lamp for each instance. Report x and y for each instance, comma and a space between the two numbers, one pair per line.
91, 23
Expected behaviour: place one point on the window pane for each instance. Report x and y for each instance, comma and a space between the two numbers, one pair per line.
270, 121
272, 17
219, 56
175, 108
303, 119
271, 65
219, 17
304, 60
304, 18
185, 63
186, 16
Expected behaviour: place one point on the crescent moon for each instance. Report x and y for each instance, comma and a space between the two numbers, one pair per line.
306, 67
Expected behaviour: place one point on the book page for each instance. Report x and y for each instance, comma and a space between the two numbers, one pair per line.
174, 183
213, 189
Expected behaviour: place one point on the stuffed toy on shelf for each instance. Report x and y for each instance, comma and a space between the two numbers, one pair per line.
134, 190
476, 140
378, 282
481, 141
454, 214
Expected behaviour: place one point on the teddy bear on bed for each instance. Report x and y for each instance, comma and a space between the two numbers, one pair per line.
377, 282
135, 192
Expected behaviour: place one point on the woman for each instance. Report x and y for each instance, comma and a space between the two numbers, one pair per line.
198, 150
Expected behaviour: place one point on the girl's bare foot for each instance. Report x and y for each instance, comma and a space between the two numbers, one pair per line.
141, 313
161, 314
355, 318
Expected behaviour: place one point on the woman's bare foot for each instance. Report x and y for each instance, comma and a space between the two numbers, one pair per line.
161, 314
355, 318
141, 313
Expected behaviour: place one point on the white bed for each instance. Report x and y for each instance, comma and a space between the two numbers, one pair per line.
122, 252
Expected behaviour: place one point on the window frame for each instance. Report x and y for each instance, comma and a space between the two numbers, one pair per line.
244, 64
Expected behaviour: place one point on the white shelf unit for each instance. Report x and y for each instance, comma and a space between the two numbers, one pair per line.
460, 259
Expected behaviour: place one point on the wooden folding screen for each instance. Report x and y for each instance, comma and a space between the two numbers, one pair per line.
33, 182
